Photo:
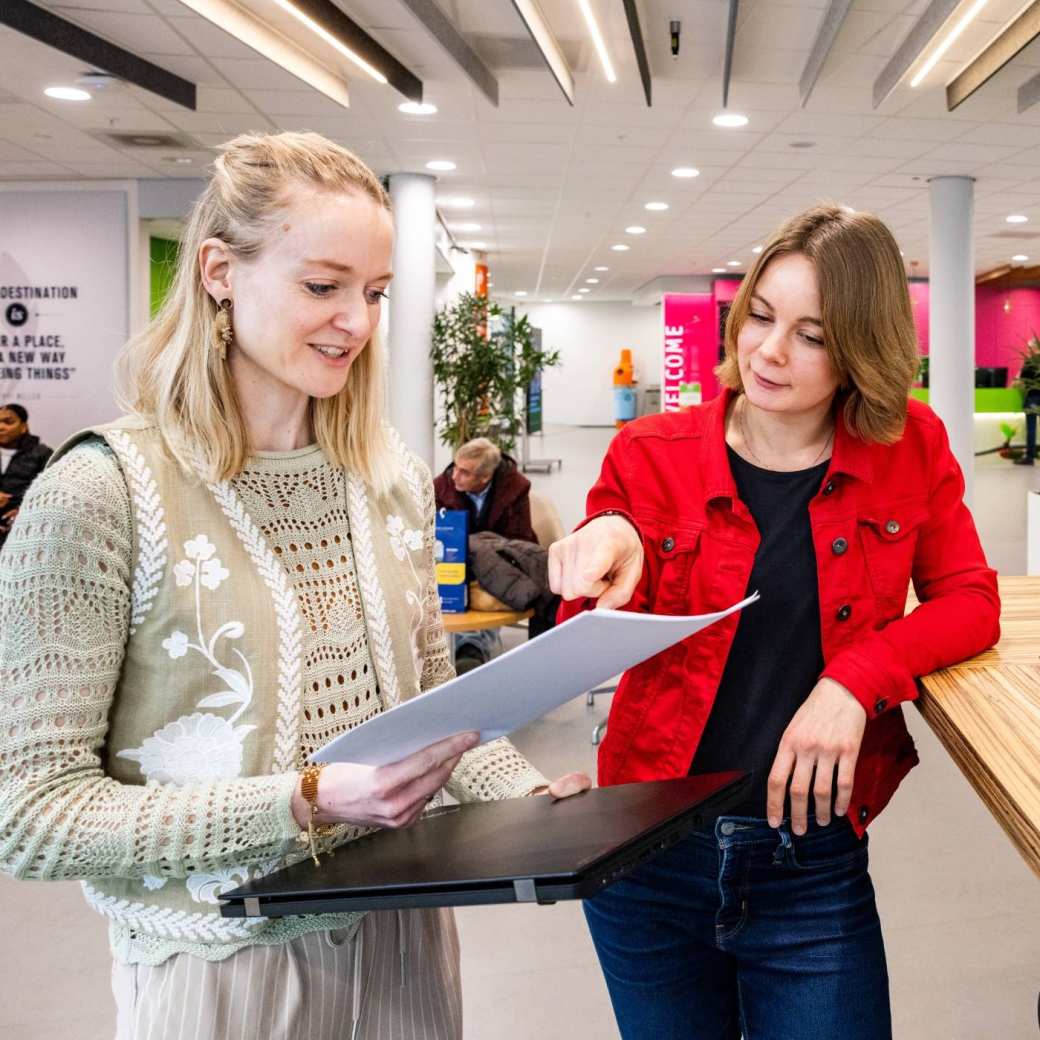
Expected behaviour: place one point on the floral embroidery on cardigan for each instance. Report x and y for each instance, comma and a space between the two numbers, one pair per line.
201, 747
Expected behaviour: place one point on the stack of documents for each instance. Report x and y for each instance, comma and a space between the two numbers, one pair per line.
520, 686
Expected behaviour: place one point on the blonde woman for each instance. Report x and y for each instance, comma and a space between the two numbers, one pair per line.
197, 596
814, 480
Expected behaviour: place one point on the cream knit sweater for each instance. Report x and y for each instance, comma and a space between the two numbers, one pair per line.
65, 615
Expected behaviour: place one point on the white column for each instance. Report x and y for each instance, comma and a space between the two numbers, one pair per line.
411, 308
951, 367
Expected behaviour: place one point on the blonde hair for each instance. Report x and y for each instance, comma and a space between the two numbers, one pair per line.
172, 375
486, 454
868, 321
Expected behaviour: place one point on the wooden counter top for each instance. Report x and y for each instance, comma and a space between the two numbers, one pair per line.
986, 712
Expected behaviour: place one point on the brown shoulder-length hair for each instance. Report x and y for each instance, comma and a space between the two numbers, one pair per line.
868, 323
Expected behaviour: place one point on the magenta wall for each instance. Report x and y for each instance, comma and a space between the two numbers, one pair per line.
1000, 335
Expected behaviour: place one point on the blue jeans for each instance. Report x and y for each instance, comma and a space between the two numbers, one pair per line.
746, 931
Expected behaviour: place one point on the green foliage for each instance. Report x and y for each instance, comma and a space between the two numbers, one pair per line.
1009, 432
1029, 377
480, 379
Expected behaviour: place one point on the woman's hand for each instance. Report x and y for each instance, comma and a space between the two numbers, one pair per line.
565, 786
384, 796
825, 732
604, 560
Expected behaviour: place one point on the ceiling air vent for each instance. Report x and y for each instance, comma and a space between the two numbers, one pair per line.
147, 139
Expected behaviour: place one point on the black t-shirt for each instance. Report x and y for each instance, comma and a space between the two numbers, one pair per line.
777, 656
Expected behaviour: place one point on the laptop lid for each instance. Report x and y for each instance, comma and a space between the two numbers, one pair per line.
518, 850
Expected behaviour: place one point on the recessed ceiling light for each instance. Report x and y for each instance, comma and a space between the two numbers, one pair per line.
444, 165
1020, 258
635, 229
718, 270
592, 281
686, 171
730, 120
656, 207
465, 227
619, 248
733, 263
67, 94
520, 292
584, 290
578, 298
756, 250
456, 202
601, 269
180, 160
417, 108
1017, 218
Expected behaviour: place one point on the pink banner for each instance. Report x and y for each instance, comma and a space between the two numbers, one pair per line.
690, 339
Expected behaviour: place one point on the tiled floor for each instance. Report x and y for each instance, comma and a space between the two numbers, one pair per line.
960, 909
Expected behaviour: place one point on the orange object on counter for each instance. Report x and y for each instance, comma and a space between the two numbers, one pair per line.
623, 373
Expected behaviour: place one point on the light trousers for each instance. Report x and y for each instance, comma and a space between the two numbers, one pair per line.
397, 978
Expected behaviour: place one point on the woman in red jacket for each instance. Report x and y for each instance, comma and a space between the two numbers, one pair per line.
814, 480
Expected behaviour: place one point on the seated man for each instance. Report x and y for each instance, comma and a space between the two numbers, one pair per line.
488, 485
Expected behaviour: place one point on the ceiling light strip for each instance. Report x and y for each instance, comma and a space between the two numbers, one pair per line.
635, 30
532, 17
273, 46
332, 41
1010, 42
70, 38
948, 41
830, 26
917, 41
598, 41
326, 20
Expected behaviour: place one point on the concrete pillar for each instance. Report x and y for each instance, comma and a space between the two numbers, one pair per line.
951, 367
410, 378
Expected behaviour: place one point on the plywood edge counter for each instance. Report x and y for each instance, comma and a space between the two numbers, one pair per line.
986, 713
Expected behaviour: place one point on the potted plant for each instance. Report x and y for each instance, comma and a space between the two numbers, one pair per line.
480, 374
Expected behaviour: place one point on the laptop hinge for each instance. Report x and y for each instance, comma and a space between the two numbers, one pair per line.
524, 890
252, 905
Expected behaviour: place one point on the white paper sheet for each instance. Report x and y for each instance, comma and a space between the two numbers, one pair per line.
520, 686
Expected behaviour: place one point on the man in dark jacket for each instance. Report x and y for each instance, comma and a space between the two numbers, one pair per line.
22, 459
488, 485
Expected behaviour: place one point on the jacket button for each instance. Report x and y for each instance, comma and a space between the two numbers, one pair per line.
828, 488
864, 814
880, 706
668, 544
892, 527
844, 612
838, 546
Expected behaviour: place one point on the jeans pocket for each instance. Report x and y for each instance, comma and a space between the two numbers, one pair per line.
828, 848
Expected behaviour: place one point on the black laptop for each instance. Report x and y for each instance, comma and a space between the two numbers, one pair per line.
523, 850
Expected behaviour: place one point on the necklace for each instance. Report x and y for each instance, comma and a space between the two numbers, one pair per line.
747, 439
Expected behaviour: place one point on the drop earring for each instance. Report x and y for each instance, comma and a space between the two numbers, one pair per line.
223, 334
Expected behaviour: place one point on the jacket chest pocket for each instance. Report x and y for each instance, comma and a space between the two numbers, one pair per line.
889, 540
670, 556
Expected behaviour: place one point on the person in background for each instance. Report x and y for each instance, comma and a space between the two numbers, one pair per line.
22, 460
813, 480
489, 486
198, 596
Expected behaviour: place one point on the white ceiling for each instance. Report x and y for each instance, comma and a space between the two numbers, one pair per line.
556, 186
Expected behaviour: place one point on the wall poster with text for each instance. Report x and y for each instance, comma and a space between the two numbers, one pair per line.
64, 305
689, 338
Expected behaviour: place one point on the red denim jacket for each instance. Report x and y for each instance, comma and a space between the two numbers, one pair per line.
884, 514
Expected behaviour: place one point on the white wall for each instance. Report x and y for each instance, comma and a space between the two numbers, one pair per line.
589, 337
